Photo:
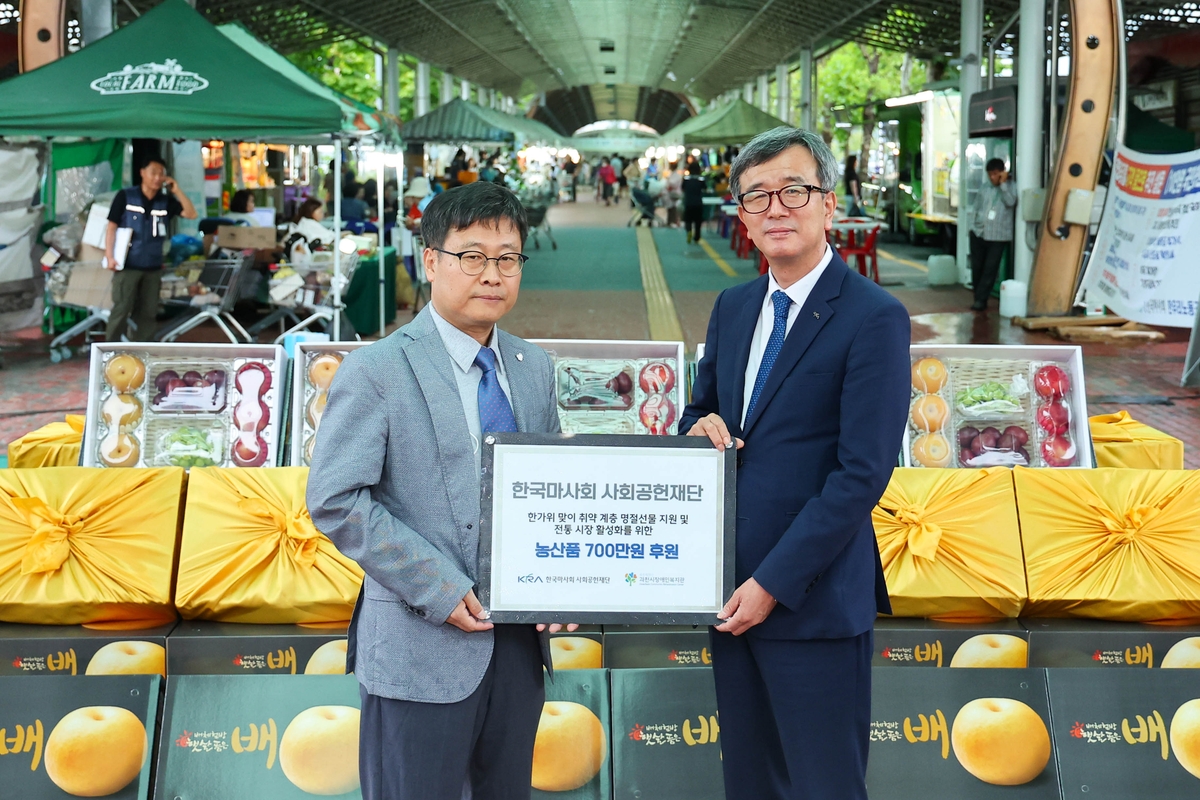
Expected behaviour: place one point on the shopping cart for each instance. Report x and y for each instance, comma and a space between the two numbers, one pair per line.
315, 295
535, 212
209, 291
79, 285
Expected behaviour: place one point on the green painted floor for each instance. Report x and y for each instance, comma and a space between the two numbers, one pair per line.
688, 268
587, 259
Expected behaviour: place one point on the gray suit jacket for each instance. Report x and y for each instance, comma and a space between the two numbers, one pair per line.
394, 485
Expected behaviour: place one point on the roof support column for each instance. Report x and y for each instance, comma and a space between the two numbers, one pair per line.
481, 96
447, 93
1031, 82
96, 20
391, 82
806, 89
783, 93
764, 99
971, 49
421, 104
748, 92
464, 91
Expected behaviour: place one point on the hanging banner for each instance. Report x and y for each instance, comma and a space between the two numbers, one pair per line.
1143, 264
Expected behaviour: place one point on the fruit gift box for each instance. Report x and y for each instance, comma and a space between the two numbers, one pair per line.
978, 406
313, 369
184, 405
609, 386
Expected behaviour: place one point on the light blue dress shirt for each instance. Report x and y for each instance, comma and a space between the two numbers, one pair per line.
463, 349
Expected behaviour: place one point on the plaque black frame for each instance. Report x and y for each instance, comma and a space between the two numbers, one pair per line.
486, 528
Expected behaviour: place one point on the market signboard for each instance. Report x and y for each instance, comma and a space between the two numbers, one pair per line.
65, 737
225, 648
666, 735
902, 642
46, 650
1124, 733
951, 734
571, 755
1142, 265
259, 736
1094, 643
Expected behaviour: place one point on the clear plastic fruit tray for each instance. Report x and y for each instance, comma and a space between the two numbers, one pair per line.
618, 386
993, 407
319, 362
156, 404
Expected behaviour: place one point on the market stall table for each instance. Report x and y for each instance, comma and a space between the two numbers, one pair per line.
362, 295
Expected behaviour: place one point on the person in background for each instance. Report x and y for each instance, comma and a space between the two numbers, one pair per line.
306, 235
693, 203
416, 195
371, 195
457, 164
674, 193
391, 202
569, 175
991, 230
146, 211
489, 172
618, 166
605, 178
241, 206
354, 208
854, 207
633, 175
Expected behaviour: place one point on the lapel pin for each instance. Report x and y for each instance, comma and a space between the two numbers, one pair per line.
815, 315
520, 356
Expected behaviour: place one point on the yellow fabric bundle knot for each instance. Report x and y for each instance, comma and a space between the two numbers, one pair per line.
1124, 530
50, 544
922, 535
299, 537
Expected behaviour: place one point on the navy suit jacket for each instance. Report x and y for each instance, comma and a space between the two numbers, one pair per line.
820, 447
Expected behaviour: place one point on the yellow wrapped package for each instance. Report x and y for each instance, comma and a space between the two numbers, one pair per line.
80, 545
1122, 441
250, 552
950, 544
1113, 544
53, 445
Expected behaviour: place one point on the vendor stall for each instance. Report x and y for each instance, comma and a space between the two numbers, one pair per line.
733, 123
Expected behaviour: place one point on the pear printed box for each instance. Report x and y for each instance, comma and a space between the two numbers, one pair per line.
65, 737
1125, 733
1089, 643
571, 756
904, 642
648, 647
259, 736
666, 735
227, 648
46, 650
579, 649
954, 734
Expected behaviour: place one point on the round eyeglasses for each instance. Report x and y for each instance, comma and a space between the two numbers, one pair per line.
795, 196
473, 262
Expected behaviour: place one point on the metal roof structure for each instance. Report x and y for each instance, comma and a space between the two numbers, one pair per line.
644, 56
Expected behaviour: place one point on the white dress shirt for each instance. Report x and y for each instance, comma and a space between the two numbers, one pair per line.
798, 292
467, 374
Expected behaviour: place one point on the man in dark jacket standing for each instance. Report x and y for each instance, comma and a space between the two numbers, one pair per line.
147, 212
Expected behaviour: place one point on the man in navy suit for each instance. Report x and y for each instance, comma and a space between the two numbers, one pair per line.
806, 372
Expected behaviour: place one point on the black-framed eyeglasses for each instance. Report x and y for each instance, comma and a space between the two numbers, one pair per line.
473, 262
794, 196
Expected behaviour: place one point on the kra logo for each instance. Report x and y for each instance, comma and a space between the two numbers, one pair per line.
530, 578
989, 115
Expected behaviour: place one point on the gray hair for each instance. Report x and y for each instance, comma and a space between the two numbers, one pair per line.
767, 145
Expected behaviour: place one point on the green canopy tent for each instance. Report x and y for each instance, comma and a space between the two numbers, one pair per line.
189, 82
733, 123
463, 121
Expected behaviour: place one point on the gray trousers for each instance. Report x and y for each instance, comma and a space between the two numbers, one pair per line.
480, 747
135, 295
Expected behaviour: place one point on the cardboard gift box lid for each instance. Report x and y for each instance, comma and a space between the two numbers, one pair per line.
242, 237
950, 544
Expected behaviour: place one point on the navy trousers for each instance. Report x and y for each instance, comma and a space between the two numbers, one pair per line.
480, 747
795, 716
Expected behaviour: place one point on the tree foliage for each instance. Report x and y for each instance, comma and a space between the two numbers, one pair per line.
352, 68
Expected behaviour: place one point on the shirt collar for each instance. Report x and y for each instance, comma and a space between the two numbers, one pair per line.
799, 291
462, 347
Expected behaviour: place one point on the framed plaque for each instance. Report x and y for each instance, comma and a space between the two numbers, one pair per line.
606, 529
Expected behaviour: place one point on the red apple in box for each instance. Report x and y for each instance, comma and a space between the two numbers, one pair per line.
1051, 381
1058, 451
1054, 417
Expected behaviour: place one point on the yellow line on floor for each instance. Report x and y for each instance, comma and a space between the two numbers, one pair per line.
915, 265
728, 270
660, 306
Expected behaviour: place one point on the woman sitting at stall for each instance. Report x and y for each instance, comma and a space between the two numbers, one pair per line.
306, 235
241, 208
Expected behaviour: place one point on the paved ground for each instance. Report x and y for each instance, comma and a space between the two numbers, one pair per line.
592, 286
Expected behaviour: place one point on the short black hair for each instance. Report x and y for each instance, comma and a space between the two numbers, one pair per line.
152, 160
995, 165
240, 200
466, 205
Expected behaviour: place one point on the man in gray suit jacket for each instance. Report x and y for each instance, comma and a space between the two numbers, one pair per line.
447, 699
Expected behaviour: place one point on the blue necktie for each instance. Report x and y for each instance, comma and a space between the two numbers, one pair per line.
495, 413
774, 345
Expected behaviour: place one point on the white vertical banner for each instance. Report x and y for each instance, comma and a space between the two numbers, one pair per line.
188, 169
1143, 265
